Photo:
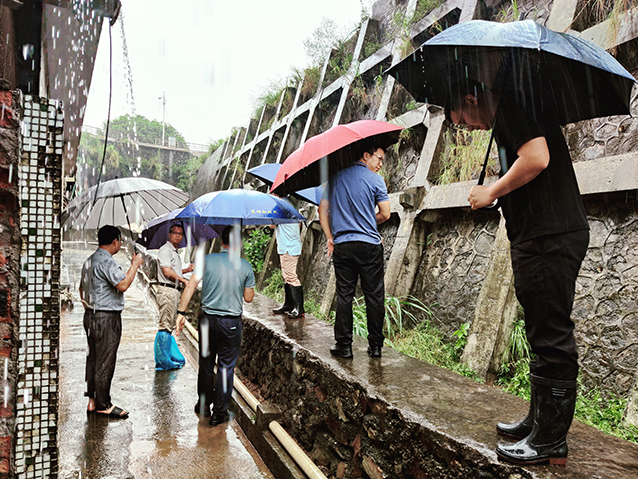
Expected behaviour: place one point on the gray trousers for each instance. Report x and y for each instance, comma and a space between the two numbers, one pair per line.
103, 333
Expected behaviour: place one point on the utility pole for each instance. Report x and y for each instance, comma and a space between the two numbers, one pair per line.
163, 98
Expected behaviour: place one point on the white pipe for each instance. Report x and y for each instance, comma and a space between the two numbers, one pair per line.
246, 394
298, 454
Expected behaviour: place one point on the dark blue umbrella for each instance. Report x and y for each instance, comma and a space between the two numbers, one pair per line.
569, 76
155, 235
267, 173
239, 206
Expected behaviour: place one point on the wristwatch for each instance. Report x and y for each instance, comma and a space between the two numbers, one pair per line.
183, 313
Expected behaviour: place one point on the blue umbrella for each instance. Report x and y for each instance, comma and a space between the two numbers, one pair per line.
267, 173
239, 206
155, 235
569, 76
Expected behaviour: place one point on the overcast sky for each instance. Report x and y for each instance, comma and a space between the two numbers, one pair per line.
212, 58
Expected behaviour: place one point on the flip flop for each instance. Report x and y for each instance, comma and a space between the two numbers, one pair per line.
116, 413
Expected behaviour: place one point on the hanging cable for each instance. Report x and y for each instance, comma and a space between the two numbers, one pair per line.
108, 115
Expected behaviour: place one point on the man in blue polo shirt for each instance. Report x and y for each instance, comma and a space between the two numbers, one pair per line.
228, 281
349, 220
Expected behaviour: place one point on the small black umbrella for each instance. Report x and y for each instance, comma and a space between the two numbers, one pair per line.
570, 76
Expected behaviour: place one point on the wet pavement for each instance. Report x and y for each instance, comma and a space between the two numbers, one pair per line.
162, 437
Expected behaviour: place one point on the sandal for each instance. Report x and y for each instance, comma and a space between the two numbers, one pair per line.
116, 413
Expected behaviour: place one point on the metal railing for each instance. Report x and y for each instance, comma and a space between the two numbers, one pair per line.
192, 147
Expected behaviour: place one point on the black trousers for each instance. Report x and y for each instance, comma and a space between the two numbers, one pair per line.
545, 273
353, 260
219, 341
103, 333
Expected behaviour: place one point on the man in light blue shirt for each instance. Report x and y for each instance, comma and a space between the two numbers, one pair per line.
349, 219
102, 287
289, 249
228, 281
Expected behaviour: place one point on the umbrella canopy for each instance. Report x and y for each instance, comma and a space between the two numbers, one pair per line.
569, 76
323, 155
239, 206
122, 201
155, 235
267, 174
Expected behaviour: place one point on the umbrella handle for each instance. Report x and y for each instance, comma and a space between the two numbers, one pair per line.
497, 205
130, 230
492, 207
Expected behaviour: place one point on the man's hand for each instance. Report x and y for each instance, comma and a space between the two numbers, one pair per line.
331, 247
480, 196
137, 260
190, 268
179, 324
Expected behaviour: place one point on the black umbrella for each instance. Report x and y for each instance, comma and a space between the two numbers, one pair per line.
567, 75
120, 201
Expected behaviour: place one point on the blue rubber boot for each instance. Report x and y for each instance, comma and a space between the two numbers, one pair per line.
163, 349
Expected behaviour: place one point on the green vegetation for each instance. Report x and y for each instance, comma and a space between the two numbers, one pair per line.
339, 62
370, 47
307, 80
463, 155
423, 7
509, 14
274, 286
411, 105
255, 247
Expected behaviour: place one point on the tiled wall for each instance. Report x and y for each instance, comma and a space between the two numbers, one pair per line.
40, 192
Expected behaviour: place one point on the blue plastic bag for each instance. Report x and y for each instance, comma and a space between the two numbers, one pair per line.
167, 353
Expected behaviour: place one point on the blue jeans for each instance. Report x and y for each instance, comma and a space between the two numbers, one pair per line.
219, 341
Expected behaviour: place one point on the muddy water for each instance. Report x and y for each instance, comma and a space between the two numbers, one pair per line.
162, 437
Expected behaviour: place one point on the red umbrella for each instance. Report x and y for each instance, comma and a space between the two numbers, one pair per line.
323, 155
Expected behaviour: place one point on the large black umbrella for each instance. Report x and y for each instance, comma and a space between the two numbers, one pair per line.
121, 202
570, 76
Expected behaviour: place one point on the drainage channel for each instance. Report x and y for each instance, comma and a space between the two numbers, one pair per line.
260, 411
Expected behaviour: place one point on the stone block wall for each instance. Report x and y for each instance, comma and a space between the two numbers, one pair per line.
453, 266
606, 304
349, 429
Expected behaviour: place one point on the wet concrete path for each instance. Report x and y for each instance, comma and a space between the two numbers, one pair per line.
162, 437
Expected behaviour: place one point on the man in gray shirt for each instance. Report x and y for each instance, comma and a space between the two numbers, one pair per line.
228, 281
102, 287
171, 282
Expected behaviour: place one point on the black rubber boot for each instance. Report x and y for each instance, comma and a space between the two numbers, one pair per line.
288, 303
554, 406
297, 299
522, 428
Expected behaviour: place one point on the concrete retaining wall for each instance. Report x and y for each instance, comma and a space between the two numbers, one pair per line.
436, 249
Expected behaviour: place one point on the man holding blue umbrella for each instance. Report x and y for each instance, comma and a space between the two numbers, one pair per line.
228, 281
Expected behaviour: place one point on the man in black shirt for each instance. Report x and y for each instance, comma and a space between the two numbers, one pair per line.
549, 234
